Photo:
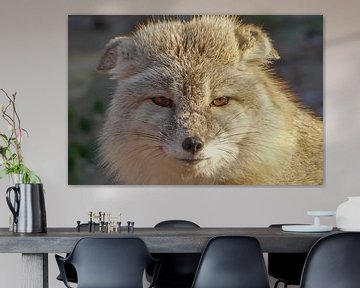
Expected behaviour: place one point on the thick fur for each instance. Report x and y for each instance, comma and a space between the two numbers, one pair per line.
262, 136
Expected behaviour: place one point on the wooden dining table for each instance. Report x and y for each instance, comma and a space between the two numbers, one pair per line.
35, 247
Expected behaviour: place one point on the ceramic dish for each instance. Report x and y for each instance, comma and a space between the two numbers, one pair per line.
306, 228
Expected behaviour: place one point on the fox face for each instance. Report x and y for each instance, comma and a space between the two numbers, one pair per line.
192, 103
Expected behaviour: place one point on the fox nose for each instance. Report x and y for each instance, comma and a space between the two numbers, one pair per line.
192, 144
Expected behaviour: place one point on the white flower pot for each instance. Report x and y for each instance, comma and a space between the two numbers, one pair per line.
348, 214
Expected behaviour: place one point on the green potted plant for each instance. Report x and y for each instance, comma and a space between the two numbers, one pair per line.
25, 197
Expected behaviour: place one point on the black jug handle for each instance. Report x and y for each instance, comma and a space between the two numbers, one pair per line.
13, 208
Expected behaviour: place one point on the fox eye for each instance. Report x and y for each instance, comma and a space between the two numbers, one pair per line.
162, 101
221, 101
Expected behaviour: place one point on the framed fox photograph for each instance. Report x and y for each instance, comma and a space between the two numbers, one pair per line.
195, 100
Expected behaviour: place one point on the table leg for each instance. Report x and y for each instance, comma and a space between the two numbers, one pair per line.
35, 270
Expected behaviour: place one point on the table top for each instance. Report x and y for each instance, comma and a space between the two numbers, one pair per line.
158, 240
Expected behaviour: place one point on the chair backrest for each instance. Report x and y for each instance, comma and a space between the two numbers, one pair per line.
176, 224
110, 262
333, 262
232, 262
178, 269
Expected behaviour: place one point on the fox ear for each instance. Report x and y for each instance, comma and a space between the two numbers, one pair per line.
118, 58
255, 45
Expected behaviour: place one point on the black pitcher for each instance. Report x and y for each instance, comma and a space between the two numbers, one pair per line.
28, 207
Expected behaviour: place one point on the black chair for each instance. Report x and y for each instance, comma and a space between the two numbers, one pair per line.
108, 263
70, 271
286, 267
333, 262
232, 262
178, 269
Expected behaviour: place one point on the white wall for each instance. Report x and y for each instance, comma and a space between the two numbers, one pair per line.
33, 62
